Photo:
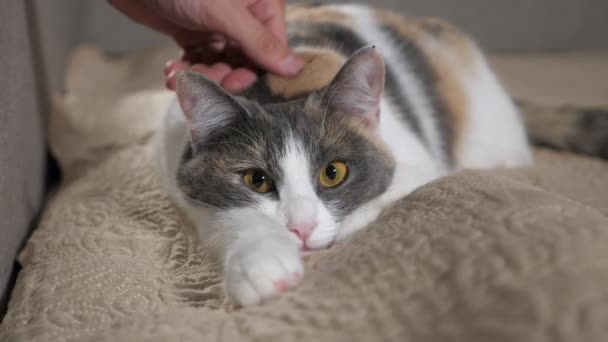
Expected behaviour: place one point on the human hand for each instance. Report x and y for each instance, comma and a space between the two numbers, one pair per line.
225, 40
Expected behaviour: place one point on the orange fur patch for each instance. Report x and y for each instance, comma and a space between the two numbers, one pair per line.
452, 57
321, 65
322, 14
449, 36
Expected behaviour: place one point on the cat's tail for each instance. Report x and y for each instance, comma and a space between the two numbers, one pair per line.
569, 128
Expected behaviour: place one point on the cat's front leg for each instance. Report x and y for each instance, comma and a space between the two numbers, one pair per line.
261, 258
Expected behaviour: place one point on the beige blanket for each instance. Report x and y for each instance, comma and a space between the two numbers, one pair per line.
511, 255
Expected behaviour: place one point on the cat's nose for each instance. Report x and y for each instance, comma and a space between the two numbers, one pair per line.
302, 230
301, 213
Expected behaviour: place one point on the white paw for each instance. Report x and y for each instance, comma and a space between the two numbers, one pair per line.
262, 269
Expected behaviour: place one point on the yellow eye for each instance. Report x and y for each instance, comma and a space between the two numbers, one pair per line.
258, 180
333, 174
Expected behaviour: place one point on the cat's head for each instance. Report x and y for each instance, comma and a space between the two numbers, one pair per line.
307, 163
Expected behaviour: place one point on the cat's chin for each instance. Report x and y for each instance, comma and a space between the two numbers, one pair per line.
307, 249
306, 252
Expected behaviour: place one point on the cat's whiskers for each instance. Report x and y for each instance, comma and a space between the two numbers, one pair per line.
199, 203
228, 143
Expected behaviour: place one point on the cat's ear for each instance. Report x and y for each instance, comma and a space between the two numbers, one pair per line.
205, 104
357, 88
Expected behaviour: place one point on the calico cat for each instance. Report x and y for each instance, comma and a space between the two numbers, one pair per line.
384, 105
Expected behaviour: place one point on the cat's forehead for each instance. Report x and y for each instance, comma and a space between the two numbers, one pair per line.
274, 124
308, 126
268, 132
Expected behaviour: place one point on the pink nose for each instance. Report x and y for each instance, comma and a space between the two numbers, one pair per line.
303, 230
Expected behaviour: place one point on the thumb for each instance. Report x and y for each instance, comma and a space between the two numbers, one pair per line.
263, 47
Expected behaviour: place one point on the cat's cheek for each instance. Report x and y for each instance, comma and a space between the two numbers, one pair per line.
325, 234
272, 208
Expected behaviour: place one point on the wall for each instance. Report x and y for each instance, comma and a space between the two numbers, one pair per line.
516, 25
499, 25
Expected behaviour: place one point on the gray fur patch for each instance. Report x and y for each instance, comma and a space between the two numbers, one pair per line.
578, 130
592, 133
211, 173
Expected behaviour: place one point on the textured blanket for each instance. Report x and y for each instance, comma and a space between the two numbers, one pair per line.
503, 255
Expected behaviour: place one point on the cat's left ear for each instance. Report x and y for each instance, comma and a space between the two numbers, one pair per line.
357, 88
205, 104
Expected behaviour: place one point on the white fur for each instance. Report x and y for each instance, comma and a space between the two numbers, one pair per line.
495, 135
414, 167
259, 253
299, 199
172, 140
260, 258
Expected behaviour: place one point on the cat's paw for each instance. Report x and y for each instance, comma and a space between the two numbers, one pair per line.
263, 269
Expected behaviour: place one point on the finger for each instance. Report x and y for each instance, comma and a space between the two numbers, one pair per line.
271, 13
201, 47
200, 40
216, 72
171, 82
218, 46
171, 69
238, 80
201, 55
175, 65
144, 14
276, 25
233, 55
263, 47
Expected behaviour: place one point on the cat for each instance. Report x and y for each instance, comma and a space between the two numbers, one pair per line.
384, 105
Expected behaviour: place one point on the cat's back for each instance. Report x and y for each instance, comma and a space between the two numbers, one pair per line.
437, 80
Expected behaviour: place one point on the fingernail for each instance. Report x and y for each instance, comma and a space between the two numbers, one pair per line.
171, 84
236, 86
168, 67
291, 65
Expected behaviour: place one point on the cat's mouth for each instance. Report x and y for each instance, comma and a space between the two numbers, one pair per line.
306, 253
305, 250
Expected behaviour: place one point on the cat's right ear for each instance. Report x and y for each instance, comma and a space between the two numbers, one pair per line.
205, 104
357, 88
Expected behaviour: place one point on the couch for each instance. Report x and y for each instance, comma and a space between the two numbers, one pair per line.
37, 36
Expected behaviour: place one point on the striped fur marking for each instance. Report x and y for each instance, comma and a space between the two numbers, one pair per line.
443, 134
412, 88
318, 15
449, 57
